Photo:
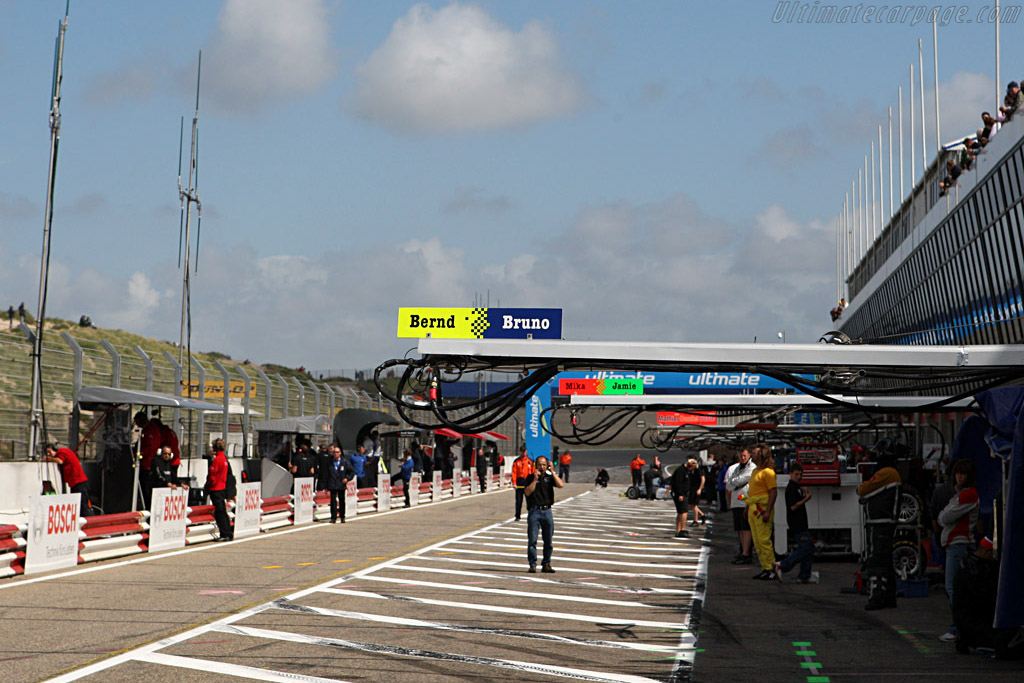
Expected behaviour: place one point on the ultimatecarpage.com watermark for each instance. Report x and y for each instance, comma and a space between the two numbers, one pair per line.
791, 12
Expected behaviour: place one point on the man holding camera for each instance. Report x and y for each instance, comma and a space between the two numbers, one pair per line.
540, 496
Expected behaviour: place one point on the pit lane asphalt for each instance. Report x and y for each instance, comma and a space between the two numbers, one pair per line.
438, 592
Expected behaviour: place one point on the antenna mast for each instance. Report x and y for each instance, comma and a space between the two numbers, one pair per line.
36, 417
189, 196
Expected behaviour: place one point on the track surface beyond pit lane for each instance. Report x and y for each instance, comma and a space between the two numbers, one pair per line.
451, 599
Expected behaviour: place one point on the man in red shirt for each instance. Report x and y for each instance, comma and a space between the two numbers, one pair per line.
149, 446
72, 474
636, 467
216, 487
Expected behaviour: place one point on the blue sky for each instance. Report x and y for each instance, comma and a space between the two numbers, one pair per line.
660, 170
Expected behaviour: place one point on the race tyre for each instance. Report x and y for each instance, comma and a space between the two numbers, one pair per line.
908, 559
910, 507
632, 493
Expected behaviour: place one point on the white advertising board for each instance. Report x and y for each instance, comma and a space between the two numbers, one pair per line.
414, 489
435, 488
302, 499
474, 483
383, 493
351, 498
457, 484
52, 532
248, 508
168, 519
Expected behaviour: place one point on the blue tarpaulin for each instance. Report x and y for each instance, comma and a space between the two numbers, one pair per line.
1004, 409
970, 444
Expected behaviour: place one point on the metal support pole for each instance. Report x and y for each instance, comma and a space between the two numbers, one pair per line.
284, 387
302, 396
268, 387
913, 152
177, 389
902, 195
200, 434
330, 393
316, 396
115, 361
76, 387
227, 400
245, 410
149, 366
935, 57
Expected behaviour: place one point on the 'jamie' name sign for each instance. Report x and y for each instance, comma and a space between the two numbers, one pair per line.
480, 323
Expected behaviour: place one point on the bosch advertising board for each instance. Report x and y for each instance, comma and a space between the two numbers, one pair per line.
480, 323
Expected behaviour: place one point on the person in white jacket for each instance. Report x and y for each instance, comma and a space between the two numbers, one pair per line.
737, 480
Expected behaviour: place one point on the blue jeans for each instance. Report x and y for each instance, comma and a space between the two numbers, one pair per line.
804, 555
955, 555
543, 521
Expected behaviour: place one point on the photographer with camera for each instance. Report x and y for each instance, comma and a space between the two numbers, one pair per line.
540, 496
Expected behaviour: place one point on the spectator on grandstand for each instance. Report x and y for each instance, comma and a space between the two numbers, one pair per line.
989, 128
1012, 102
967, 154
953, 172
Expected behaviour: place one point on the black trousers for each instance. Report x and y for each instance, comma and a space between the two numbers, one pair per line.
520, 497
220, 513
482, 478
83, 490
879, 559
337, 503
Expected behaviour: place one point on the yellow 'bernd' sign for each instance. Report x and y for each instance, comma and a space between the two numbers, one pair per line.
480, 323
441, 323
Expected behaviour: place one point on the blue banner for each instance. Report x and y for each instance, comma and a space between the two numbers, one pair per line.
538, 439
522, 323
690, 382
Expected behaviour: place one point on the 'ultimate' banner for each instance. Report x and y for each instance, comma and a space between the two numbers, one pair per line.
538, 438
480, 323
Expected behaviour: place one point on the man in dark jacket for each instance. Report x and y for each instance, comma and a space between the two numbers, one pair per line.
679, 485
339, 472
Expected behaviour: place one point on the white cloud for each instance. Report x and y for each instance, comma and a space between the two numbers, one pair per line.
457, 69
664, 271
962, 99
263, 50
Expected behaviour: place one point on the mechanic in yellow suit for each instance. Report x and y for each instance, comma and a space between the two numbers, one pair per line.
760, 500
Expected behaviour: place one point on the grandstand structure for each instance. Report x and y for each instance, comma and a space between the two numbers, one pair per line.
944, 269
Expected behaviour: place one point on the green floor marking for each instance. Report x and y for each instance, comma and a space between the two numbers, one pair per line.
817, 679
806, 653
800, 643
810, 665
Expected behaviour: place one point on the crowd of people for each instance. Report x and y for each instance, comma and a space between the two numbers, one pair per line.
963, 158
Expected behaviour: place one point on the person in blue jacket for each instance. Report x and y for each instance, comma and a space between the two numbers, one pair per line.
358, 461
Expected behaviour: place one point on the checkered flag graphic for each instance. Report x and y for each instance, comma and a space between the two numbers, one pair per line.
479, 323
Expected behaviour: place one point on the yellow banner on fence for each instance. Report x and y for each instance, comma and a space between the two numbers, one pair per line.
213, 389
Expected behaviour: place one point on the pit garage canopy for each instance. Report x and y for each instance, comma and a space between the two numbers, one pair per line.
349, 423
304, 424
92, 398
